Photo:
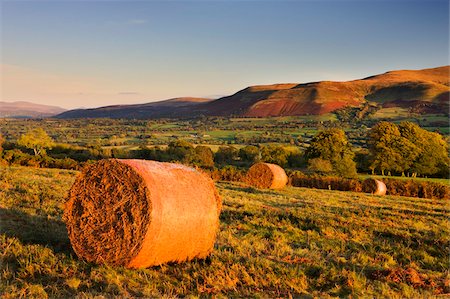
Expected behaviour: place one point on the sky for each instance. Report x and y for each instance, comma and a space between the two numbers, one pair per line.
94, 53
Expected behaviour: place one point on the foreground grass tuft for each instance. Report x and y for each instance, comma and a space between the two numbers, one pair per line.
295, 242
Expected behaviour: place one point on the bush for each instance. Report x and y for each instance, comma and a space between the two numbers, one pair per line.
411, 188
17, 157
415, 188
228, 173
331, 183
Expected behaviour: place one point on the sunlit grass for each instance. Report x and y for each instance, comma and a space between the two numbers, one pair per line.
295, 242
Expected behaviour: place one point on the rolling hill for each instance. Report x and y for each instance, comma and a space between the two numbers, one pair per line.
168, 108
427, 90
424, 91
23, 109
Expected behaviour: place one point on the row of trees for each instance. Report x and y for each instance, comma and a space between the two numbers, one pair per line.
184, 152
396, 149
407, 148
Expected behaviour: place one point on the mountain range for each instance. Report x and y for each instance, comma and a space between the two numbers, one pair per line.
424, 91
23, 109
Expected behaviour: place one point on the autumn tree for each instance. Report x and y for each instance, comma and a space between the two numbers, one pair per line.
37, 140
332, 145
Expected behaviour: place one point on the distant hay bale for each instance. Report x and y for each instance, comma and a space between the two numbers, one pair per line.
376, 187
267, 176
138, 213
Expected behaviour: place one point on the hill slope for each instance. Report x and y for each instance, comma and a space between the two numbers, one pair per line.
425, 91
27, 109
167, 108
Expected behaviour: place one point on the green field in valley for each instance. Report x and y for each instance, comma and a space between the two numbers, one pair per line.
295, 242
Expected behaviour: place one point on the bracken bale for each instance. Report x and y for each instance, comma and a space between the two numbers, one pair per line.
376, 187
138, 213
267, 176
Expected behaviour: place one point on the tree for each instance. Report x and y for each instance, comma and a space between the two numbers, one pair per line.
249, 154
181, 150
432, 150
389, 150
37, 140
204, 156
320, 166
274, 154
332, 145
407, 148
226, 155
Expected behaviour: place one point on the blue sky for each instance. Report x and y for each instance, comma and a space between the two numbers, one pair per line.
94, 53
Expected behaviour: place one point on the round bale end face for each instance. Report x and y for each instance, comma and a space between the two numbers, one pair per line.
375, 187
139, 213
107, 213
267, 176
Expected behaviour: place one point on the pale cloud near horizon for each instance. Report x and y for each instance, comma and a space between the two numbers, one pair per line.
127, 93
26, 84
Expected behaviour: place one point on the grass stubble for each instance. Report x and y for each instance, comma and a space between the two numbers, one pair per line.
295, 242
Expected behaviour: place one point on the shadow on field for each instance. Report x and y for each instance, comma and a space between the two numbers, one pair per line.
31, 229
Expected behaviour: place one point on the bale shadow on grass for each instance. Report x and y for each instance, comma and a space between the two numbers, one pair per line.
32, 229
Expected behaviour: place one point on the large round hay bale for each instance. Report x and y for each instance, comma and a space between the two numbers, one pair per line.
376, 187
139, 213
267, 176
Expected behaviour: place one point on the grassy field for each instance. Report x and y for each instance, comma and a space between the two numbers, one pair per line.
295, 242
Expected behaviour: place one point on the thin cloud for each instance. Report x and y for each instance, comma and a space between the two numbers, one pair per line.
128, 93
125, 23
137, 21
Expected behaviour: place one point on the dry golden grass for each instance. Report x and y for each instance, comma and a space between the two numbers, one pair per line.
295, 242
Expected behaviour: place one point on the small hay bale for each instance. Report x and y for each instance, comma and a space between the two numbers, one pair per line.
267, 176
138, 213
376, 187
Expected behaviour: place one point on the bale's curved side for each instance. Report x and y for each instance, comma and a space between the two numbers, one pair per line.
266, 175
376, 187
171, 209
185, 213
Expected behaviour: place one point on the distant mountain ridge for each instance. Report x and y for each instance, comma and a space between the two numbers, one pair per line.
167, 108
425, 91
22, 109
